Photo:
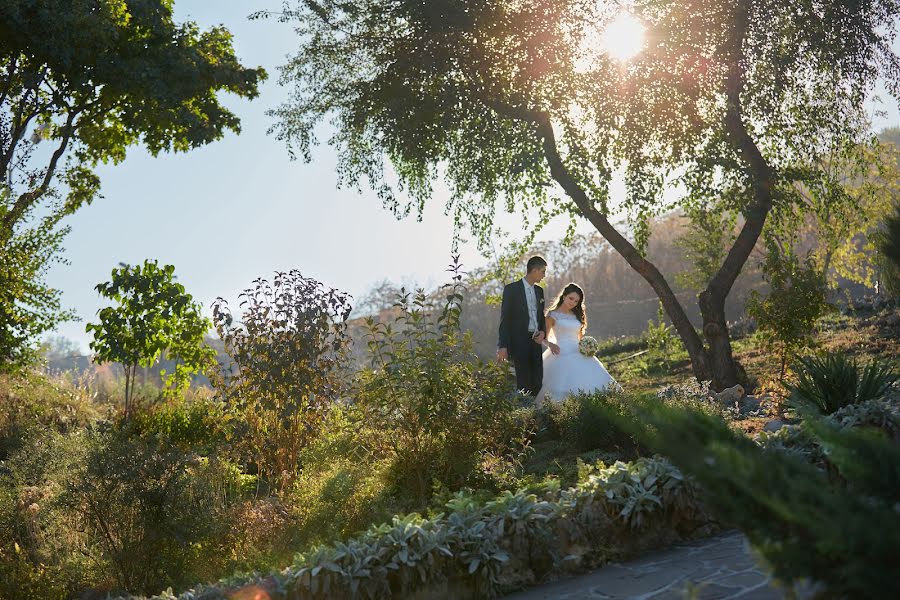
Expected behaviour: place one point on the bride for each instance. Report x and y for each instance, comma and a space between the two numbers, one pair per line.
566, 370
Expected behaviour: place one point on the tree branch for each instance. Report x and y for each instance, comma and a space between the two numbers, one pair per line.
9, 78
19, 125
762, 175
641, 265
27, 199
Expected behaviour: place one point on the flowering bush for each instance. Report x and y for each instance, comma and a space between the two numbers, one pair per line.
589, 346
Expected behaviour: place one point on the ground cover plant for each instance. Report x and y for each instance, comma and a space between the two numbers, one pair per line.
480, 549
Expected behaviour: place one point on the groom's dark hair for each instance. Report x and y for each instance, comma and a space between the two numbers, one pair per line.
535, 262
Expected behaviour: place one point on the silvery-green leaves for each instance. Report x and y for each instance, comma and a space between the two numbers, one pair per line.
482, 548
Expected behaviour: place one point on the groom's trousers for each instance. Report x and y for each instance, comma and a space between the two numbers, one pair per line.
529, 370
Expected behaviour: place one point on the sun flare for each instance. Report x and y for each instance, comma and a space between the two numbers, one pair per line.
623, 38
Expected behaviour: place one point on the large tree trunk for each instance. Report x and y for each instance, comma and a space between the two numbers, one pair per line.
715, 329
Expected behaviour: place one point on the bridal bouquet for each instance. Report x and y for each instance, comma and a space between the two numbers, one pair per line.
588, 346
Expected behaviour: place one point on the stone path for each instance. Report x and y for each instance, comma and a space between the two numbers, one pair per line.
721, 567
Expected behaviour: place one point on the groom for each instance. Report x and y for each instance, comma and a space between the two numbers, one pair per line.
522, 327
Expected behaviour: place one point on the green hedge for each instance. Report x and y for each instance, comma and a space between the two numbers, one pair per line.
479, 549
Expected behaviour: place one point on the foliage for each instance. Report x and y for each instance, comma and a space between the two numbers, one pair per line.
441, 416
481, 549
581, 420
28, 306
660, 340
841, 530
89, 79
830, 381
705, 244
288, 353
511, 103
153, 314
786, 317
887, 242
693, 395
31, 402
152, 510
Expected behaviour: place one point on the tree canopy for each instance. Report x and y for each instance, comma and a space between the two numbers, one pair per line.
80, 82
734, 103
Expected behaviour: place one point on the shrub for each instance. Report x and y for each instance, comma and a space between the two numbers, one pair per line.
148, 511
661, 342
40, 541
200, 424
31, 401
340, 499
611, 346
583, 421
840, 529
441, 416
786, 318
882, 414
831, 380
889, 243
694, 395
288, 354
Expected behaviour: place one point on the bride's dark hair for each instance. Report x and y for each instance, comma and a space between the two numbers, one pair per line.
578, 311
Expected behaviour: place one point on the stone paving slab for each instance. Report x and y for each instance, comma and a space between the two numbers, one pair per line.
717, 568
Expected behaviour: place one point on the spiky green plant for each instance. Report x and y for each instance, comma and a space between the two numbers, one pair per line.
830, 381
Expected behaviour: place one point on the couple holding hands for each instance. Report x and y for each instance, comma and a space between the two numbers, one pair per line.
544, 346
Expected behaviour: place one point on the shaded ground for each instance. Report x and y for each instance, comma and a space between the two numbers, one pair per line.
721, 567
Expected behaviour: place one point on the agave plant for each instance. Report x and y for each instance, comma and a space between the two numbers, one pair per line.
831, 381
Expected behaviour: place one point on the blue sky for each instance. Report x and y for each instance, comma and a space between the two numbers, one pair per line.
239, 209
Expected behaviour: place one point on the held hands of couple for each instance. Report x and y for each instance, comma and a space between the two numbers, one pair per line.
540, 337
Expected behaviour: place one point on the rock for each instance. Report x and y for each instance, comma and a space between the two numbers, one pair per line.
750, 404
892, 320
729, 396
773, 425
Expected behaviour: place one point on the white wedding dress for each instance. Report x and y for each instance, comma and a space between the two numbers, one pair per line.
570, 371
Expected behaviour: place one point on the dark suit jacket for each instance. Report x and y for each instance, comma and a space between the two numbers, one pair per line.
514, 334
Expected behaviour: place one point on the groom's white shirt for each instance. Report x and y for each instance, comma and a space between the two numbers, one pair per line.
531, 299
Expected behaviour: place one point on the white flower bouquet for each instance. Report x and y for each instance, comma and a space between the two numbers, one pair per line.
588, 346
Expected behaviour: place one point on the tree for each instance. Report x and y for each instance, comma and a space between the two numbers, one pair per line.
798, 297
91, 78
154, 314
513, 103
288, 353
